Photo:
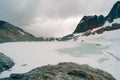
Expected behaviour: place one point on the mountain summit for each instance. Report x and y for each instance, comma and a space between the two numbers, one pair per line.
91, 22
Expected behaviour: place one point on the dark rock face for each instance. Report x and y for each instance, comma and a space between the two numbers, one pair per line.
5, 62
63, 71
114, 13
89, 22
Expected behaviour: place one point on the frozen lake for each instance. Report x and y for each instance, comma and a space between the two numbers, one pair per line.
100, 52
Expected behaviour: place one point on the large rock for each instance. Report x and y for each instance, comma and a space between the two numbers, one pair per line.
5, 62
63, 71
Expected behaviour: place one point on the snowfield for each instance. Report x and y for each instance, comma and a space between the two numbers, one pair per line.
99, 51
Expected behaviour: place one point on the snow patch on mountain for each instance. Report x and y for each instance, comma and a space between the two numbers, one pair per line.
21, 32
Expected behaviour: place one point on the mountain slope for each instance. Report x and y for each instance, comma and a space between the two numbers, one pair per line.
9, 33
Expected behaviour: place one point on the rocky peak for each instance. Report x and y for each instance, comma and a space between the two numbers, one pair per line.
90, 22
114, 13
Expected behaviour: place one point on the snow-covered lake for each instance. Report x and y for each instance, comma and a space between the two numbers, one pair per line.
99, 51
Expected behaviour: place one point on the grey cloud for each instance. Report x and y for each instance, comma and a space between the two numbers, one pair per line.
27, 12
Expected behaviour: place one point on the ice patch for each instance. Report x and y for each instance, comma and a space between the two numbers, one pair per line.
84, 49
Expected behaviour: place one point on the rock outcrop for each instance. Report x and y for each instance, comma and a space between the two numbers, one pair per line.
5, 62
91, 22
63, 71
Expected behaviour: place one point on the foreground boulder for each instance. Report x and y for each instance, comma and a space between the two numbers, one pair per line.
63, 71
5, 62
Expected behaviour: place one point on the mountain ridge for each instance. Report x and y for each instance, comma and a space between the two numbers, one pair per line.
91, 22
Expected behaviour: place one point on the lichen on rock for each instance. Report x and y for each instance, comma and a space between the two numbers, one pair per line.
63, 71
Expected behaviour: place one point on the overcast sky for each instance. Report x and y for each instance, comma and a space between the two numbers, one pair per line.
51, 17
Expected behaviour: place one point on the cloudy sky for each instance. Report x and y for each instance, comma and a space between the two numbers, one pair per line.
51, 17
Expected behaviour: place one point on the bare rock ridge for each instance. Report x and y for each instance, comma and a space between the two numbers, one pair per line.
91, 22
63, 71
